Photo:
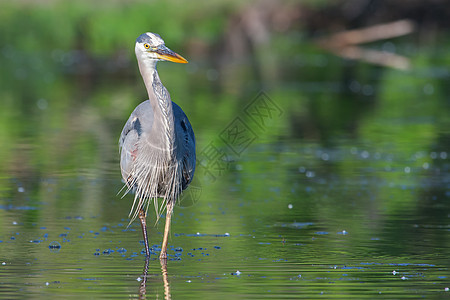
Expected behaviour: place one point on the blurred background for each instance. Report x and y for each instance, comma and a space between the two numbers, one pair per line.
360, 133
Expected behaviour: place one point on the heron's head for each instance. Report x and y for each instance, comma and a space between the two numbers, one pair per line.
151, 46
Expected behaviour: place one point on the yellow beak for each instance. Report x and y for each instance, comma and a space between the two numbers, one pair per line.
165, 53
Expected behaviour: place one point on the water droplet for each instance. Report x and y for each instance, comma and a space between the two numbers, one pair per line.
54, 246
365, 154
42, 104
389, 47
355, 86
310, 174
107, 251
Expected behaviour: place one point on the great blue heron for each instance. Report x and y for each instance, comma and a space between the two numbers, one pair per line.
157, 143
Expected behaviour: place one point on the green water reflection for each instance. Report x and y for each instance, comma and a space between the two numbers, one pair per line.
339, 186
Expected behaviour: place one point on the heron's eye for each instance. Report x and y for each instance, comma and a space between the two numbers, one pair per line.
146, 46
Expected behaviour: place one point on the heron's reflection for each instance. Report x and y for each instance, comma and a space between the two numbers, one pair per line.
143, 286
165, 278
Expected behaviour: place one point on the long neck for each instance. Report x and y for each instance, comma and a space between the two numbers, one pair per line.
148, 71
161, 103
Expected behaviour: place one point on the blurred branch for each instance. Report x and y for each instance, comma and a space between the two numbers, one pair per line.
345, 43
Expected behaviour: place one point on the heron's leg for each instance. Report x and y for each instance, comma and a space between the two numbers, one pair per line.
144, 230
169, 211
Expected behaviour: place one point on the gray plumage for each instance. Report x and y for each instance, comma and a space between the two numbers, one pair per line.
157, 143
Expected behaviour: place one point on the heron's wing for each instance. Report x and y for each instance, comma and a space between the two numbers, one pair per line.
130, 136
185, 144
128, 147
